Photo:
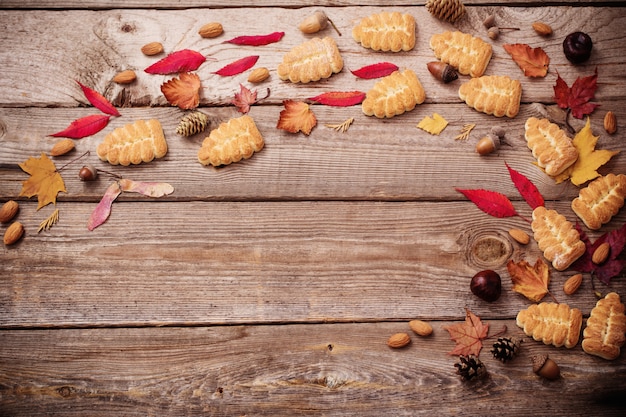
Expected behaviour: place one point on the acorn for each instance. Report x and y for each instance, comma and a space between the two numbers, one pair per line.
488, 144
88, 173
545, 367
314, 23
442, 72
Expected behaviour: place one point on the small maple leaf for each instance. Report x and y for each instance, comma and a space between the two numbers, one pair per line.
530, 281
533, 61
468, 335
297, 117
45, 181
578, 96
612, 266
244, 99
183, 91
589, 160
433, 125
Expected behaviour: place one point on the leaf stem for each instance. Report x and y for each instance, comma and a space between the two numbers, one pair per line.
333, 25
109, 173
553, 298
569, 127
525, 219
72, 161
498, 333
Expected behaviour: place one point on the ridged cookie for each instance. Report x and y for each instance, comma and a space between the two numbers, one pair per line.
551, 323
134, 143
498, 95
311, 61
597, 203
604, 334
393, 95
549, 144
230, 142
468, 54
556, 237
386, 31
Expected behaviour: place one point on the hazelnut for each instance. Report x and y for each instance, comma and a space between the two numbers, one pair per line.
488, 144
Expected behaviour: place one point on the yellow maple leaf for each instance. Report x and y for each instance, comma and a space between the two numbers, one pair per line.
530, 281
45, 181
589, 159
434, 125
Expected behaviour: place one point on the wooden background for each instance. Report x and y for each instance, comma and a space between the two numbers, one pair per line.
270, 286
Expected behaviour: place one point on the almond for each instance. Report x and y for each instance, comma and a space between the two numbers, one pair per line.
398, 340
62, 147
572, 284
520, 236
8, 211
211, 30
601, 253
125, 77
421, 328
13, 233
542, 29
610, 123
258, 75
152, 48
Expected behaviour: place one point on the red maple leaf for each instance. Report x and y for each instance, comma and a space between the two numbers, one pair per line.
578, 96
244, 99
468, 335
612, 266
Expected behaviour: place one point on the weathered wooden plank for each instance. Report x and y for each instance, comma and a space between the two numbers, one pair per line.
92, 46
321, 369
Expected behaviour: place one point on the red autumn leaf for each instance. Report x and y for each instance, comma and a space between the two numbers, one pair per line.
340, 98
491, 202
238, 66
533, 61
382, 69
468, 335
526, 188
183, 91
99, 101
297, 117
578, 96
612, 266
244, 99
257, 40
85, 126
180, 61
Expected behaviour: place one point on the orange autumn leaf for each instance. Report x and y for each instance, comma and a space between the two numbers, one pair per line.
297, 117
183, 91
530, 281
533, 61
45, 181
468, 335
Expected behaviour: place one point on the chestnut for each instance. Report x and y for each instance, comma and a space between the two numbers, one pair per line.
577, 47
486, 285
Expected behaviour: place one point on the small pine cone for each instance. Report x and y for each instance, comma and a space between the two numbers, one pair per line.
448, 10
192, 123
506, 348
470, 367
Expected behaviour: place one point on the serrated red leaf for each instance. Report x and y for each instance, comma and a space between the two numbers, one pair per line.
257, 40
180, 61
183, 91
526, 188
577, 98
612, 266
98, 100
491, 202
381, 69
237, 67
85, 126
468, 335
244, 99
340, 98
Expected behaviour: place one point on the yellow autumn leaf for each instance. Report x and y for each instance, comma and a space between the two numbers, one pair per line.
589, 159
530, 281
45, 181
433, 125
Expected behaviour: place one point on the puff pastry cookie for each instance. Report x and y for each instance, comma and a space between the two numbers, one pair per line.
553, 149
498, 95
393, 95
386, 31
311, 61
134, 143
230, 142
604, 334
468, 54
597, 203
551, 323
556, 237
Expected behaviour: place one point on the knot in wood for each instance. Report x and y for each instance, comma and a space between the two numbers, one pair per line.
488, 250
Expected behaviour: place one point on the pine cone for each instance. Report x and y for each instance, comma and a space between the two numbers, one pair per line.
506, 348
192, 123
470, 367
448, 10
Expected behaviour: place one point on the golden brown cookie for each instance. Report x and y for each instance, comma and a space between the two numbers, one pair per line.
498, 95
604, 334
393, 95
230, 142
468, 54
386, 31
311, 61
597, 203
551, 323
134, 143
553, 149
556, 237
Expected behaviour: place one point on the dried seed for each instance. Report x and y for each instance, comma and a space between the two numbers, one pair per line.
152, 48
